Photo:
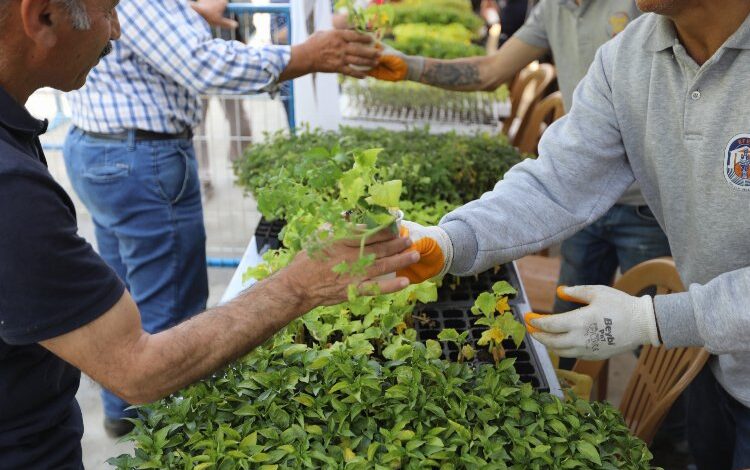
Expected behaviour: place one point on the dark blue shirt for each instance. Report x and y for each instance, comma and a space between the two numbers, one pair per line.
51, 282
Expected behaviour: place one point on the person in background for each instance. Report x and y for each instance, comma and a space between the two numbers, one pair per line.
130, 155
662, 104
513, 15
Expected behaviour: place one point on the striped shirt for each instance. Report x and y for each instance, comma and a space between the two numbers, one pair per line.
165, 59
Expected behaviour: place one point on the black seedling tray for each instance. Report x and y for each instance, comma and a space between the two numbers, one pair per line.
267, 234
467, 289
453, 310
431, 319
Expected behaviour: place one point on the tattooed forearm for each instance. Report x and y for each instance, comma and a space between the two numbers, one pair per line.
451, 74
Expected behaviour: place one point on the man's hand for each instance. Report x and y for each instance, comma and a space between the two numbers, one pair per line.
311, 278
332, 51
213, 12
434, 247
613, 322
395, 66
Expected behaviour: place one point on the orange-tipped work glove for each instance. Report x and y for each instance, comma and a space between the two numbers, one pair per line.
613, 322
435, 248
395, 66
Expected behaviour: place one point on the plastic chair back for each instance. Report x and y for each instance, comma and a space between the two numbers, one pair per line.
527, 89
544, 113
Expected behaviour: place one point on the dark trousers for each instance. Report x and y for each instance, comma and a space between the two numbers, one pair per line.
718, 425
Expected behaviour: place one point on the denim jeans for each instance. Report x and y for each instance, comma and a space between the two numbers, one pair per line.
144, 198
718, 425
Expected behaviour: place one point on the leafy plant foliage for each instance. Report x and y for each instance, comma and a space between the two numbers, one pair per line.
350, 386
438, 171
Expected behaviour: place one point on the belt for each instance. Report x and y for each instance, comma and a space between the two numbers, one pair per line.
140, 134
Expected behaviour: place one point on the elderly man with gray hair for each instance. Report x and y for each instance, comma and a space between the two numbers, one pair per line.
63, 309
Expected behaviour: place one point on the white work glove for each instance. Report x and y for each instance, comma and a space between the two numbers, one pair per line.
434, 247
613, 322
395, 66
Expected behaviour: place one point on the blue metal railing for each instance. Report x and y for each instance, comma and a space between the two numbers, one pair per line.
282, 9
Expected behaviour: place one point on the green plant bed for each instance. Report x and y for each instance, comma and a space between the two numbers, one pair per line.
436, 48
350, 386
435, 13
439, 171
450, 41
293, 407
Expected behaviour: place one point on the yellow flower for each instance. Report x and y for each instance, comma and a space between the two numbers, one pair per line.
493, 334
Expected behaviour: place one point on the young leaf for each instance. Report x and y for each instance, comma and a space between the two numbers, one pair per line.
385, 194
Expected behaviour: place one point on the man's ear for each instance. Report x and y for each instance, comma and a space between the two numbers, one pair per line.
41, 21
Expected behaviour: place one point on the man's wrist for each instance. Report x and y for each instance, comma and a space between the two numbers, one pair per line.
646, 321
287, 285
300, 62
415, 67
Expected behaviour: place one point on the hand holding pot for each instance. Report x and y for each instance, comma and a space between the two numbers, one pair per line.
311, 278
395, 66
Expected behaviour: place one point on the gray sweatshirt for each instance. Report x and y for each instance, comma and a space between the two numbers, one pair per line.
647, 112
573, 33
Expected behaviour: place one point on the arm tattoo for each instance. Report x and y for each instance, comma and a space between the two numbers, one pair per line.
451, 74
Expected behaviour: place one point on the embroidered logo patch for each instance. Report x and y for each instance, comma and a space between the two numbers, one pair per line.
737, 162
617, 23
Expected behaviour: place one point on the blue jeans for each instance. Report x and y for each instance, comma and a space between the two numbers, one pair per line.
144, 198
718, 425
625, 236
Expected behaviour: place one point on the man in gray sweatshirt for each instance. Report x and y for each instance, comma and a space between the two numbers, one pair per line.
663, 104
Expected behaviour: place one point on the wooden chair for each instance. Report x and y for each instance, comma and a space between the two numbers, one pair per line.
526, 90
661, 374
544, 113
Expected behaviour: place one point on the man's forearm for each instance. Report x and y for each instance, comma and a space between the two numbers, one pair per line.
299, 63
175, 358
481, 73
460, 74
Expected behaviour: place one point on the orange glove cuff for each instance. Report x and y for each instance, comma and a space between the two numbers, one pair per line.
390, 68
430, 263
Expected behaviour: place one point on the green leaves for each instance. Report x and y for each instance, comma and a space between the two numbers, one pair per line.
385, 194
409, 411
350, 385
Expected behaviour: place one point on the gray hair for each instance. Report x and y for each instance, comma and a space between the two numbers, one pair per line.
77, 11
75, 8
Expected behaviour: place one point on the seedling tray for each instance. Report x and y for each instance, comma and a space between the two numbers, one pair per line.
431, 319
467, 289
453, 310
267, 234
